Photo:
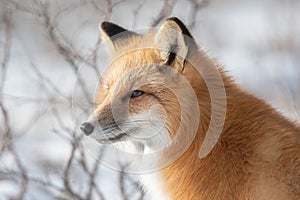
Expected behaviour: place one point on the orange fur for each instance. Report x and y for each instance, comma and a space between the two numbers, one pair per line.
256, 157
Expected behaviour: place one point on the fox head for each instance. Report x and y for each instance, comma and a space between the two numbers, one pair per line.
146, 96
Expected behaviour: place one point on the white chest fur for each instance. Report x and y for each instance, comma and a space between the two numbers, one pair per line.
153, 185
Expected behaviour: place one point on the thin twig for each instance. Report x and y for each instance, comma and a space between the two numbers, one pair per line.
165, 11
136, 12
67, 169
67, 53
196, 6
6, 129
7, 13
122, 183
24, 177
92, 174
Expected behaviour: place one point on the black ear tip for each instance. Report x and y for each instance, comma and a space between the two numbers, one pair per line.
181, 25
176, 19
104, 25
111, 29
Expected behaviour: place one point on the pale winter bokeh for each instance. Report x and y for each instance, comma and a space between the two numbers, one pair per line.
51, 57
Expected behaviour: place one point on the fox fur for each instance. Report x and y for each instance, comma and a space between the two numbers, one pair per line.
256, 156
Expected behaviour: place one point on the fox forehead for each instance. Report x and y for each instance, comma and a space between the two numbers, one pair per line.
129, 71
136, 62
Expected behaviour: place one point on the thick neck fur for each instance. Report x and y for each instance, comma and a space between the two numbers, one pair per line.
230, 170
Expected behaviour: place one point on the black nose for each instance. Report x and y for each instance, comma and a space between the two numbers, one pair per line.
86, 128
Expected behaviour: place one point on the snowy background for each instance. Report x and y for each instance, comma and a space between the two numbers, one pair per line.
50, 61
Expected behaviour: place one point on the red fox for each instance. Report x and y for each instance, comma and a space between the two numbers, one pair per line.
157, 90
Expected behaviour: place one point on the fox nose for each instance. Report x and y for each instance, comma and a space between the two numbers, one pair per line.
87, 128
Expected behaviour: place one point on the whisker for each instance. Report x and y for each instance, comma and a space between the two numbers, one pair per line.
137, 120
123, 123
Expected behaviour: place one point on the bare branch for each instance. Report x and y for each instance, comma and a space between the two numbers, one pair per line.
122, 182
5, 133
24, 177
106, 10
14, 175
196, 6
165, 11
67, 169
92, 174
46, 80
6, 18
95, 56
136, 11
69, 55
43, 13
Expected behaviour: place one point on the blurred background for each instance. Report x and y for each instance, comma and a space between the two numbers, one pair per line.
51, 58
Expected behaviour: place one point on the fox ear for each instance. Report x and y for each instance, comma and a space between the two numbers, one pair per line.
172, 42
114, 35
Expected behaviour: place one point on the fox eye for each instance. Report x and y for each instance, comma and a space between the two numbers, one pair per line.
136, 93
